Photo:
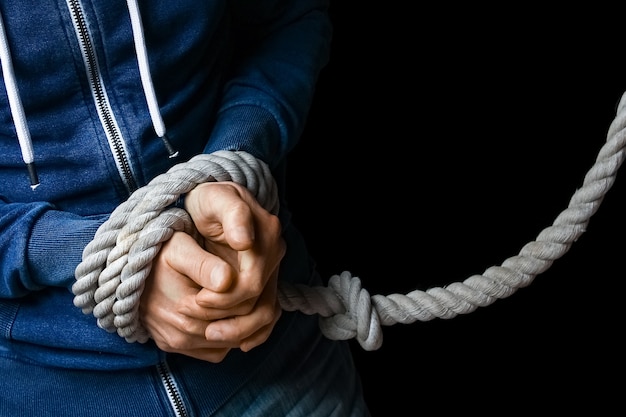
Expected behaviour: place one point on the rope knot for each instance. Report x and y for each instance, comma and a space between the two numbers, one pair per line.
359, 320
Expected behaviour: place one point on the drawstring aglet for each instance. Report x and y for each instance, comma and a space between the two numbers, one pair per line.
32, 174
173, 153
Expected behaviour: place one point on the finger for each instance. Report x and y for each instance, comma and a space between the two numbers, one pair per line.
202, 312
223, 210
187, 257
261, 335
250, 282
245, 332
173, 329
174, 333
196, 349
261, 320
269, 301
246, 290
238, 223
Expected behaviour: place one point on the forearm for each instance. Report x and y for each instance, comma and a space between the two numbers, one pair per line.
269, 92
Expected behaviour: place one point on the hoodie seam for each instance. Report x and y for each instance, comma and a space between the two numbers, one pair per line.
8, 313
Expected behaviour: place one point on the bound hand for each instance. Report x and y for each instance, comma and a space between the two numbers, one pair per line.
206, 297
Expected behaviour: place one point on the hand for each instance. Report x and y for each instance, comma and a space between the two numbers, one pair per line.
168, 289
203, 299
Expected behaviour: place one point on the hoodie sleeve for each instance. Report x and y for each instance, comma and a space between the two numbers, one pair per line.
26, 265
280, 48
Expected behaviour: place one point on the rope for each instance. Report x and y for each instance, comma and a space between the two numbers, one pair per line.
115, 264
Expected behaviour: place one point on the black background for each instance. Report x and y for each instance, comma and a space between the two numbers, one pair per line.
440, 142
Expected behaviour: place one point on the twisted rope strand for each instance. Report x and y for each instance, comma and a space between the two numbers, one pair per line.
115, 264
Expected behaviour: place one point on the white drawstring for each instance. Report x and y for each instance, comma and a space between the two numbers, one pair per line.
17, 109
146, 78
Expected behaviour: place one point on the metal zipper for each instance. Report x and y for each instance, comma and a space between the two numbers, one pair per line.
105, 112
118, 148
171, 388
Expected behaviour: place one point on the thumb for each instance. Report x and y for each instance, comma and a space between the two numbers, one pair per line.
183, 254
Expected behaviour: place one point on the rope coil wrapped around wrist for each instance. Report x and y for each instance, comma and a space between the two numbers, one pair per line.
115, 264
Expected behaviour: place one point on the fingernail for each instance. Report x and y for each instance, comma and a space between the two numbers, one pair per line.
212, 333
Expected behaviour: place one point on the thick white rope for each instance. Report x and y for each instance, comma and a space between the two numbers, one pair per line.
110, 279
111, 276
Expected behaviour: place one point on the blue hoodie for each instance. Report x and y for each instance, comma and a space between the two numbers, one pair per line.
222, 74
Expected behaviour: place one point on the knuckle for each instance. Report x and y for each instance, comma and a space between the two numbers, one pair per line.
255, 289
186, 324
172, 343
268, 315
274, 226
179, 344
202, 267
